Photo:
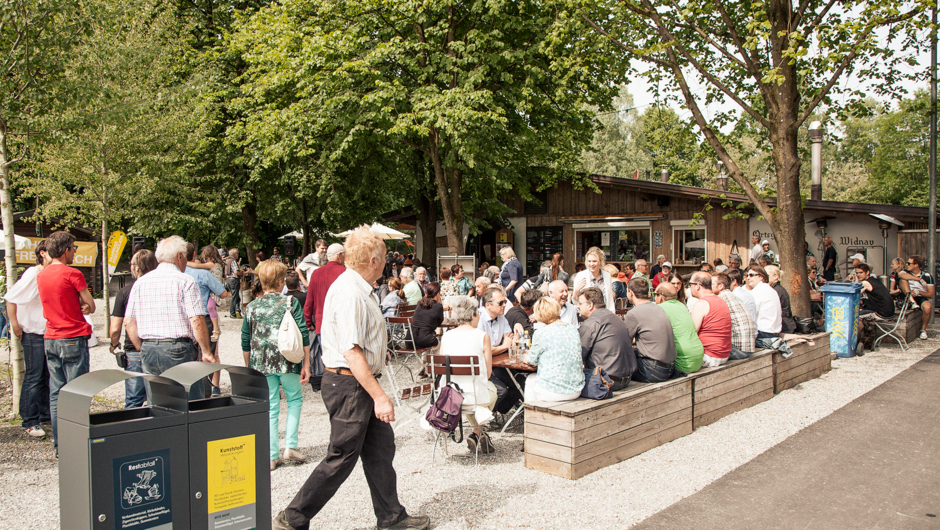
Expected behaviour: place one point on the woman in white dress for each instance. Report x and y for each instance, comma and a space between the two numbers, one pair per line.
594, 275
479, 394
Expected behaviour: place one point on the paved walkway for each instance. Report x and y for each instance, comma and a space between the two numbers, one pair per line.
875, 463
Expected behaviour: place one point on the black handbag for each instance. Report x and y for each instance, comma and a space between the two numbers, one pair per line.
734, 251
806, 325
597, 384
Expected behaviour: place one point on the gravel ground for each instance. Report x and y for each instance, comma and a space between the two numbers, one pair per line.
500, 492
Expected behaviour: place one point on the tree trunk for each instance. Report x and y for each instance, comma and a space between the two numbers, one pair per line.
448, 189
105, 288
250, 224
427, 215
784, 112
17, 363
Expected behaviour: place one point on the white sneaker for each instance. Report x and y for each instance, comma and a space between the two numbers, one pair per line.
36, 431
923, 335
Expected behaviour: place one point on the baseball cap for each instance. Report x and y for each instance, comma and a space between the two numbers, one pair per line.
858, 257
334, 250
667, 264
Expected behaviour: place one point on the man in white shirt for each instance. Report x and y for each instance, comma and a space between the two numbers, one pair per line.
494, 323
757, 250
354, 342
769, 315
569, 312
24, 310
738, 289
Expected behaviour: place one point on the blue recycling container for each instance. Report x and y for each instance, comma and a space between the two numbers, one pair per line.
842, 301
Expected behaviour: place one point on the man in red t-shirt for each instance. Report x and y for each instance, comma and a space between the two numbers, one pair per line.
320, 282
65, 302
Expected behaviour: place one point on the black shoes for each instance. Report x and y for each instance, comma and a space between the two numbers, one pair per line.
420, 522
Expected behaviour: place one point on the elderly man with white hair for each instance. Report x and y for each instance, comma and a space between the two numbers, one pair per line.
569, 312
165, 316
412, 289
354, 350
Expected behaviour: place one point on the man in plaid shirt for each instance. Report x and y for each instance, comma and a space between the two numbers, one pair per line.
165, 315
743, 329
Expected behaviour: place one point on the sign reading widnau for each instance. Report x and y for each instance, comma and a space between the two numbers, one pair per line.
86, 256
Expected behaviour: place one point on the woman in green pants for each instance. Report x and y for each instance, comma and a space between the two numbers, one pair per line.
259, 345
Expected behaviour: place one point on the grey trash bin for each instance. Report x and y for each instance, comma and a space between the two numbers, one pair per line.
230, 478
125, 468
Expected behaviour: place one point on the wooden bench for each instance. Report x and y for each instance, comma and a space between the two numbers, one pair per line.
733, 386
807, 362
575, 438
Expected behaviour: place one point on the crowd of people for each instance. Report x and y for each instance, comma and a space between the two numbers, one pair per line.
339, 298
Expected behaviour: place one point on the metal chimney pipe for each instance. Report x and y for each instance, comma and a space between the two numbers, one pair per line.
816, 137
722, 179
664, 176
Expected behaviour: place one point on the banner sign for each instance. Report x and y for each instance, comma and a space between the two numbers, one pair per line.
115, 247
86, 256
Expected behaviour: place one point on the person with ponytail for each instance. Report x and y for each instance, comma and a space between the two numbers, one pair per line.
395, 297
429, 315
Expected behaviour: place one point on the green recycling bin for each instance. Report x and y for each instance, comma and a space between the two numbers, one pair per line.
123, 469
230, 478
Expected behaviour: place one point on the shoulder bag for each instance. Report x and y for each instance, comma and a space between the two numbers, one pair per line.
290, 342
444, 413
735, 253
597, 384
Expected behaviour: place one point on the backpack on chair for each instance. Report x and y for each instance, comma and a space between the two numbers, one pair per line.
445, 411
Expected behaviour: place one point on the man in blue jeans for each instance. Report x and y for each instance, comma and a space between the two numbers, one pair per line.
651, 328
135, 393
65, 300
165, 316
25, 312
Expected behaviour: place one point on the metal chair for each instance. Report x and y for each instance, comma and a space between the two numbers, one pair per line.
404, 353
889, 328
444, 366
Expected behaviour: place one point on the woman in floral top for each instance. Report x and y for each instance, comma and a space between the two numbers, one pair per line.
464, 285
259, 345
448, 286
556, 350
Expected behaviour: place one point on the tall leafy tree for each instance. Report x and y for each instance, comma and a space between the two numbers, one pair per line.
616, 148
490, 91
35, 36
776, 61
121, 133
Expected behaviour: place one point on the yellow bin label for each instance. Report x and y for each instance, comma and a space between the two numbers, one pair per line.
231, 482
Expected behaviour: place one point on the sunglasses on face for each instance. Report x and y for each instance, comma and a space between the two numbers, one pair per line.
693, 283
752, 274
676, 283
499, 303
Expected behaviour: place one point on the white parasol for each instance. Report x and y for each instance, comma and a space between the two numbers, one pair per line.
20, 242
383, 231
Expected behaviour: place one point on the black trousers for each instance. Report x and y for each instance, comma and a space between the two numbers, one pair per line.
232, 285
355, 434
507, 395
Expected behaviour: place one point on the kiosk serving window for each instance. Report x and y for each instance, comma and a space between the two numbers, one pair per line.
623, 241
690, 243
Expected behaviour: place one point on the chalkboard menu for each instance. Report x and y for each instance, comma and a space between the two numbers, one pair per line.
541, 243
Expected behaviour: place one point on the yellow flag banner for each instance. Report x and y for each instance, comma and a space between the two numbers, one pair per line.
115, 247
86, 255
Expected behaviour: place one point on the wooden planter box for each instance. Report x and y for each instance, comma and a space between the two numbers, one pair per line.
807, 362
733, 386
909, 328
575, 438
